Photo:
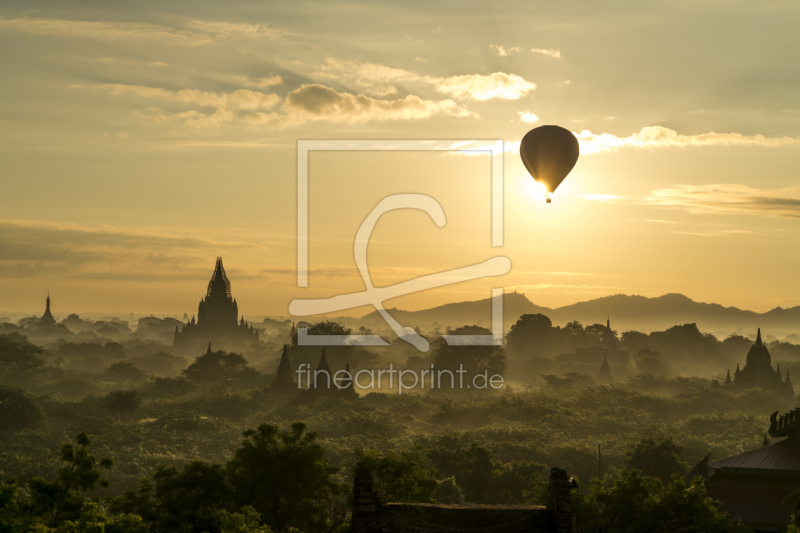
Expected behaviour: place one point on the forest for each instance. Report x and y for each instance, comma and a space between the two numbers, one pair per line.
103, 428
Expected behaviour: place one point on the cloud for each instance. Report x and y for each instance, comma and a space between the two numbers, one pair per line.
225, 30
258, 83
527, 116
318, 102
136, 62
729, 199
241, 99
503, 51
480, 87
188, 32
651, 137
716, 233
552, 52
241, 103
660, 137
308, 102
601, 197
374, 78
660, 221
36, 248
382, 80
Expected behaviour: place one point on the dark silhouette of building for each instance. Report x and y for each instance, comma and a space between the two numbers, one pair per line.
47, 319
753, 486
604, 376
606, 352
324, 383
216, 321
372, 516
348, 390
610, 341
758, 372
284, 378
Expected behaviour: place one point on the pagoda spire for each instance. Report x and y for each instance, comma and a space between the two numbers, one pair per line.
284, 378
219, 281
758, 338
322, 375
604, 376
47, 318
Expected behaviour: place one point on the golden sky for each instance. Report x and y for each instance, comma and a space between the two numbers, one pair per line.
142, 140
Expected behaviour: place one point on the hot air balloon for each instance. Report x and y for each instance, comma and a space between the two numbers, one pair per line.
549, 153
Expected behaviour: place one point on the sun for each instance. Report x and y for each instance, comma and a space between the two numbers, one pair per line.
536, 190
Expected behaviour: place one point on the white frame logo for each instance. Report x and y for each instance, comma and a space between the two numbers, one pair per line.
375, 296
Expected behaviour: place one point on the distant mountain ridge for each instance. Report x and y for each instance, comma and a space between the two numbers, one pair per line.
627, 312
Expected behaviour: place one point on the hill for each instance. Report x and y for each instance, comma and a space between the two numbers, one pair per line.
627, 312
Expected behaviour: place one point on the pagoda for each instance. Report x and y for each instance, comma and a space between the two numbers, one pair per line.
47, 319
759, 373
217, 320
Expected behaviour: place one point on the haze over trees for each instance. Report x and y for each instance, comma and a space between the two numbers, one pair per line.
186, 456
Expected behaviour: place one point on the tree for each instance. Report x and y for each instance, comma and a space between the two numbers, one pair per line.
571, 381
337, 356
471, 464
18, 409
219, 366
475, 360
480, 477
180, 386
448, 492
650, 362
284, 475
326, 327
18, 357
124, 371
92, 519
246, 520
122, 402
399, 477
530, 336
633, 341
63, 498
657, 458
187, 500
634, 504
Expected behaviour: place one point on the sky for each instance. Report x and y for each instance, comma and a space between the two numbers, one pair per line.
141, 140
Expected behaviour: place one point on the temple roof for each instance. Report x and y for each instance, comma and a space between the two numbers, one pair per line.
284, 367
47, 317
323, 363
219, 281
781, 456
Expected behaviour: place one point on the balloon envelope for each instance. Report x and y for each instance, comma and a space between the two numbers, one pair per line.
549, 153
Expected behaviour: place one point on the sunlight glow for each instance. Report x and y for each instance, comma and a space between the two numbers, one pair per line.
537, 190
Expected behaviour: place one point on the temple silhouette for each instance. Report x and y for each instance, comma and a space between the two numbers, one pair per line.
600, 358
321, 382
758, 372
756, 486
47, 320
217, 321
